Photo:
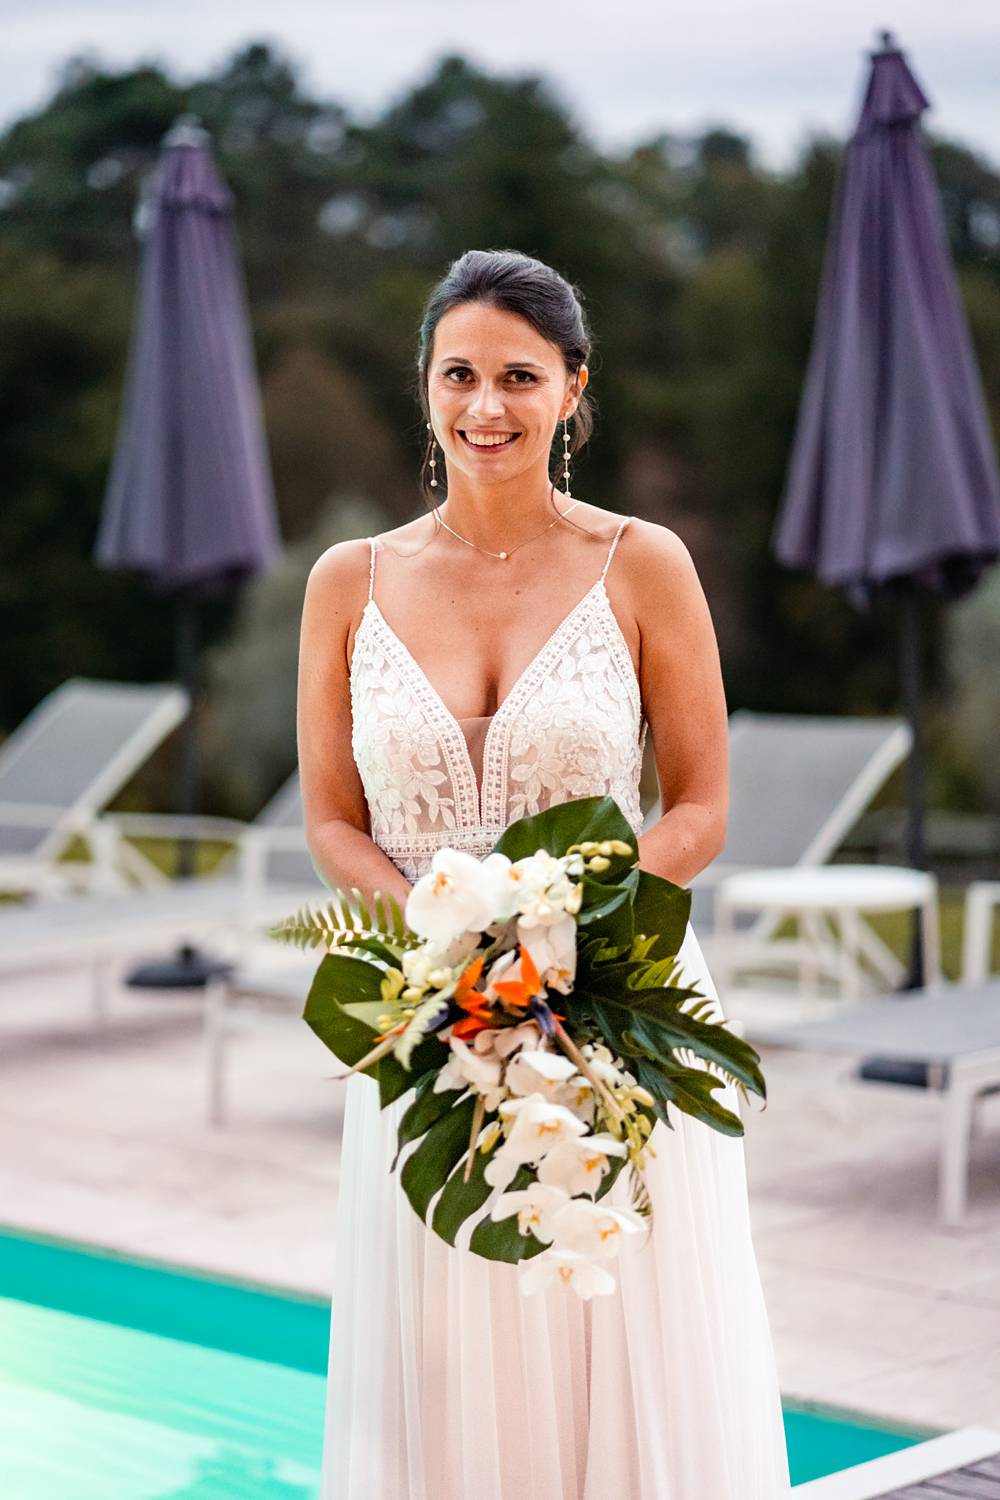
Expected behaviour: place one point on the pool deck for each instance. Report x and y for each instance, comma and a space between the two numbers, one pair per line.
960, 1464
980, 1480
874, 1307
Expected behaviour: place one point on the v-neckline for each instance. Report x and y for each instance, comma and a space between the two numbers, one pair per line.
478, 790
518, 680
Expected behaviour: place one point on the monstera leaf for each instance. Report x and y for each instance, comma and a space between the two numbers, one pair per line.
576, 822
345, 989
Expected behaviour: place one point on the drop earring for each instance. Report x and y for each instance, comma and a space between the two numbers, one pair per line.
566, 456
433, 461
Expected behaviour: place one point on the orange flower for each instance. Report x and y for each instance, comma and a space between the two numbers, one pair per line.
470, 999
517, 992
468, 978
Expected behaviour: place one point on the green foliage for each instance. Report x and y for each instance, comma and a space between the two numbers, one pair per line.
343, 997
430, 1162
628, 993
501, 1239
698, 267
349, 920
593, 818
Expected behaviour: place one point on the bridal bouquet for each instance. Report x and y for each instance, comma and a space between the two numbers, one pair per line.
532, 1001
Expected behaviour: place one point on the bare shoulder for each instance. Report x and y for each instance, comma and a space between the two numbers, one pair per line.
658, 567
338, 578
649, 547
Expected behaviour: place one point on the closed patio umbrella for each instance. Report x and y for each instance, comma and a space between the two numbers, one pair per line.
189, 504
892, 489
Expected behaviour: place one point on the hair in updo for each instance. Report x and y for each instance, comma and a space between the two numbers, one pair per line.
519, 284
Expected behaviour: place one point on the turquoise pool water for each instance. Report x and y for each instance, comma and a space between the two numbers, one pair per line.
125, 1380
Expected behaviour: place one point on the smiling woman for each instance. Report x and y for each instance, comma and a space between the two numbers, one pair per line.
501, 607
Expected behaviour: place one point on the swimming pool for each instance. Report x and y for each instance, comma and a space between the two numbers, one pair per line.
127, 1380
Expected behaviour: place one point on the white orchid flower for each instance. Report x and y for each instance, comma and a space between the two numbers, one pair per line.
501, 1169
538, 1126
419, 964
601, 1061
453, 898
577, 1163
539, 1071
536, 871
597, 1049
468, 1068
592, 1229
501, 1041
577, 1094
534, 1206
547, 891
498, 969
608, 1073
553, 951
504, 881
568, 1268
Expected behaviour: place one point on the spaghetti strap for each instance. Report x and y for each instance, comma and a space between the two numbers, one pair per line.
371, 571
607, 563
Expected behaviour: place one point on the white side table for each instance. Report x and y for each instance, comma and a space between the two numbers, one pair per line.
844, 895
982, 902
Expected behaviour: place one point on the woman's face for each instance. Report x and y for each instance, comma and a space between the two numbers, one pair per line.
492, 376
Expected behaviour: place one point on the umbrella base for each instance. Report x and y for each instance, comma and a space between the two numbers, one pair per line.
894, 1070
189, 968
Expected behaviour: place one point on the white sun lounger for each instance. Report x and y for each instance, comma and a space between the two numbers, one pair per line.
62, 766
269, 875
954, 1030
797, 785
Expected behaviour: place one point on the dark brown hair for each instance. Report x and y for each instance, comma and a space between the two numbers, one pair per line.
519, 284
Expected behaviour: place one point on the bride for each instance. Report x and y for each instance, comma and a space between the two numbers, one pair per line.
483, 662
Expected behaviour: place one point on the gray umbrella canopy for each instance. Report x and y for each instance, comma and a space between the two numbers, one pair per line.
893, 476
189, 502
892, 485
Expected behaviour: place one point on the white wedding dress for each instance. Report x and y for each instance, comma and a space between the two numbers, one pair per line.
445, 1382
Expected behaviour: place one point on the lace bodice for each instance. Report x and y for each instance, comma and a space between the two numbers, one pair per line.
571, 726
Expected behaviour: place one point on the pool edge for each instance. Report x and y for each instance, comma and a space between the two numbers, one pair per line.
893, 1471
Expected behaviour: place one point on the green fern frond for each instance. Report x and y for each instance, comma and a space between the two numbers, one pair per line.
340, 922
364, 915
425, 1013
642, 1203
389, 916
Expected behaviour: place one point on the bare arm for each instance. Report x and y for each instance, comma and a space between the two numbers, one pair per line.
685, 701
336, 814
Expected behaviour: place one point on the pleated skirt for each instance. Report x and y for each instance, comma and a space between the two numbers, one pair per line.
446, 1383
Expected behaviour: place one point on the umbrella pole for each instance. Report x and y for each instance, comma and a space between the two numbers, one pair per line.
894, 1069
189, 967
186, 784
910, 681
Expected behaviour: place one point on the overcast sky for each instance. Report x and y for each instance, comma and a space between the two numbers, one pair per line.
777, 69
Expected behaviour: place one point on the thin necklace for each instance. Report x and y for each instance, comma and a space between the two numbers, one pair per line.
504, 555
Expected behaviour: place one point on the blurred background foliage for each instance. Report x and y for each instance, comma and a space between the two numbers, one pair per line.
700, 273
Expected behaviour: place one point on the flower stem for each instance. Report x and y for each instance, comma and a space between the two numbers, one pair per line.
376, 1054
477, 1121
572, 1050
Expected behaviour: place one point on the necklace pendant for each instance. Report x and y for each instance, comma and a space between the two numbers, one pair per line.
502, 556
